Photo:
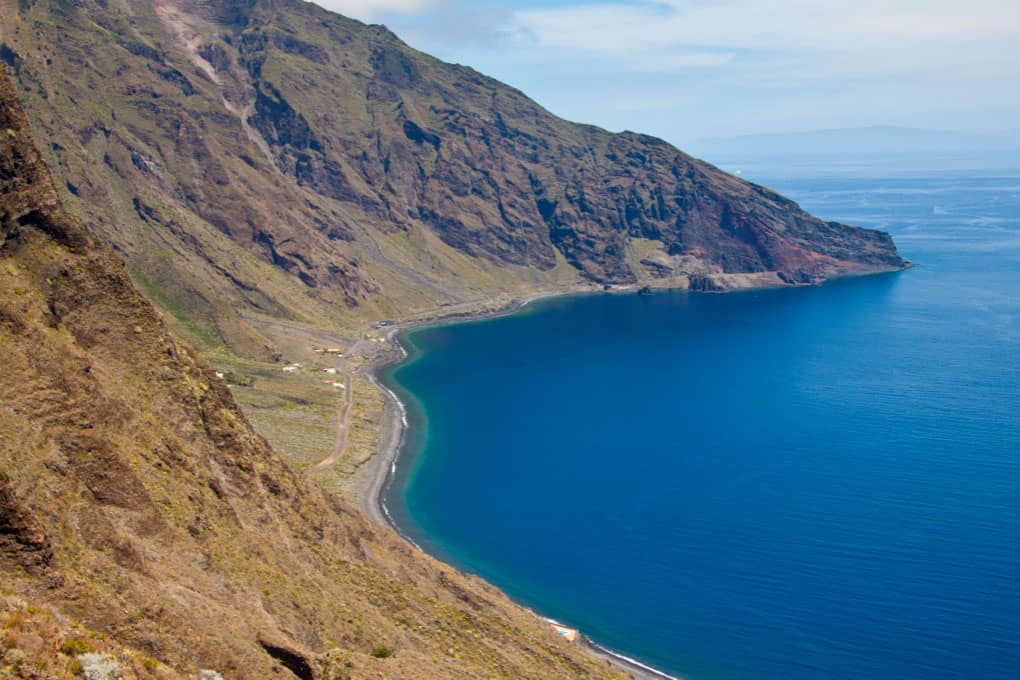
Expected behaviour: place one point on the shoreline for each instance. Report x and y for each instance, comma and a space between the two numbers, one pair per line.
379, 470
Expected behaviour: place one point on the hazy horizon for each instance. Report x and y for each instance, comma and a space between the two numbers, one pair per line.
867, 141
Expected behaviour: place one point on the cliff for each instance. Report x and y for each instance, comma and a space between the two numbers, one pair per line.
144, 521
255, 164
269, 158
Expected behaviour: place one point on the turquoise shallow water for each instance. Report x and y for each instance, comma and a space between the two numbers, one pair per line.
820, 482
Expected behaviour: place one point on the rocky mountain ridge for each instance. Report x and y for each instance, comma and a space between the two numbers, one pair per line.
260, 162
144, 521
269, 158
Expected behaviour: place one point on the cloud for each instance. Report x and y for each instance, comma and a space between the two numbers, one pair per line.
682, 67
450, 23
862, 39
764, 24
370, 10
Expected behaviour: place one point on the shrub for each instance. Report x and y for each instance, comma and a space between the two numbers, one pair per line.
15, 620
236, 379
382, 652
76, 647
15, 657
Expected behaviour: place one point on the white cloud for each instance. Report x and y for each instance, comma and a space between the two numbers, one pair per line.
370, 10
673, 60
762, 24
862, 36
679, 68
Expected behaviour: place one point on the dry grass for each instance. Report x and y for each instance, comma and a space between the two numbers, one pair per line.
140, 501
37, 643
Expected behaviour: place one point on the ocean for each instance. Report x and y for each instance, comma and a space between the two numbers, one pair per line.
816, 482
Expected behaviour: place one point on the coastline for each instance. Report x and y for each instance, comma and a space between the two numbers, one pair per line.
378, 472
379, 469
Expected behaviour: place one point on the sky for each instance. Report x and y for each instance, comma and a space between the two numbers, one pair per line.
686, 70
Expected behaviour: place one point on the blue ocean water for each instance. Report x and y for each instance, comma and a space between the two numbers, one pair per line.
806, 483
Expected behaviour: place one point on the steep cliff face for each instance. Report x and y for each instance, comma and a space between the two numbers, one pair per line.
268, 157
136, 499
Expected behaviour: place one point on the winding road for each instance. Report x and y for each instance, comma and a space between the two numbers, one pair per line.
343, 425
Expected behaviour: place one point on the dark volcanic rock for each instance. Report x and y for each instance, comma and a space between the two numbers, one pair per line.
313, 142
22, 538
498, 177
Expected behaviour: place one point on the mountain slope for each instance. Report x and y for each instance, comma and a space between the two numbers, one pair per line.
136, 499
268, 158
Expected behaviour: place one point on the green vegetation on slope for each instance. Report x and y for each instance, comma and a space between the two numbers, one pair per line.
266, 160
136, 500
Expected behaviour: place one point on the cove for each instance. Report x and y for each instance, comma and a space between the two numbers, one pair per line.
797, 483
